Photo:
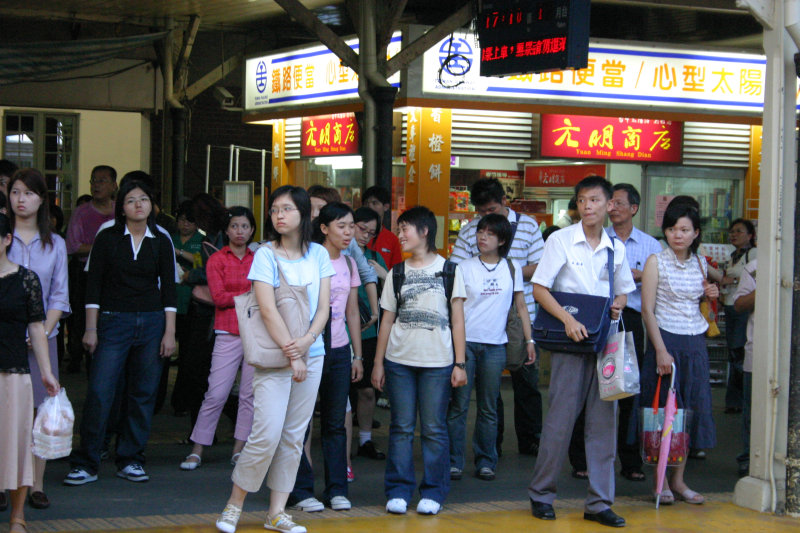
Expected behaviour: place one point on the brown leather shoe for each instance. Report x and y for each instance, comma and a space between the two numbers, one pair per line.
38, 500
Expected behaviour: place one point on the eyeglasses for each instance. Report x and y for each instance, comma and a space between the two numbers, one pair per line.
134, 201
286, 209
100, 181
4, 180
619, 204
363, 228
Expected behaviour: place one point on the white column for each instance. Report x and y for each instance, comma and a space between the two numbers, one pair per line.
764, 489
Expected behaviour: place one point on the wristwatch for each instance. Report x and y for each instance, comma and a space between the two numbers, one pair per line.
462, 366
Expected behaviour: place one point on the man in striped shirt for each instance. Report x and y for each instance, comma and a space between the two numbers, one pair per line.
488, 196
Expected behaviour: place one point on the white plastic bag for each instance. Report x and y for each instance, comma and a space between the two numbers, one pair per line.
617, 369
52, 429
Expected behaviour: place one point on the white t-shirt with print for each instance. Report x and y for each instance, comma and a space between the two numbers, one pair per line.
308, 270
489, 296
421, 333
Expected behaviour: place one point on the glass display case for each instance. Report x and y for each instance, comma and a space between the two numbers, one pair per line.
719, 191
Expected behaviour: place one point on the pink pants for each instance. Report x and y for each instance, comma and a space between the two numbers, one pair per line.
225, 361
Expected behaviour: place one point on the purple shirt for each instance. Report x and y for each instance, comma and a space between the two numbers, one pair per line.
50, 264
83, 226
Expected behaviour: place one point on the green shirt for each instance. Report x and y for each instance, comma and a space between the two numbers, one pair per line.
192, 245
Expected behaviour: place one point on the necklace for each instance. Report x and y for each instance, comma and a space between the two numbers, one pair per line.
487, 268
289, 257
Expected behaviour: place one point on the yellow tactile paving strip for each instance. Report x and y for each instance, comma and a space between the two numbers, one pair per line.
718, 514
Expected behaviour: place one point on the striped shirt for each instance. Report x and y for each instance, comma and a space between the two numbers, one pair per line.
680, 287
638, 248
526, 248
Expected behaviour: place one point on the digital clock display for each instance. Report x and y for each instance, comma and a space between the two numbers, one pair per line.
536, 12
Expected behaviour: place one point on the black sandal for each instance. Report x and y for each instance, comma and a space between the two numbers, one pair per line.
633, 475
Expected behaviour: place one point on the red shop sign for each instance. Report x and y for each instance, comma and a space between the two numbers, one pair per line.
560, 175
614, 138
329, 135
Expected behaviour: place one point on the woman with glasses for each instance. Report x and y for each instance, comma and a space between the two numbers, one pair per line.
130, 325
283, 399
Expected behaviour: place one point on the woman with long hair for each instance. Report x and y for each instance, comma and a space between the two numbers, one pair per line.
130, 325
38, 249
673, 283
283, 399
21, 315
227, 277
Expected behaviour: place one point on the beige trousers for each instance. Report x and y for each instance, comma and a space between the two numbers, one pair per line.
282, 411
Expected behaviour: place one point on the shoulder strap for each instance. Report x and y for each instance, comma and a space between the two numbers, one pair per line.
398, 278
611, 270
513, 277
449, 274
349, 264
514, 226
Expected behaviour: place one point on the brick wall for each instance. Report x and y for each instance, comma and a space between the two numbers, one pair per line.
210, 124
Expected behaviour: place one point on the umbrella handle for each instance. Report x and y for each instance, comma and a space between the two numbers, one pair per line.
672, 381
657, 395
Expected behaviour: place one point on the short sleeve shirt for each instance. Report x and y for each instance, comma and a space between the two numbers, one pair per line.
490, 292
421, 335
747, 284
341, 283
308, 270
20, 304
569, 264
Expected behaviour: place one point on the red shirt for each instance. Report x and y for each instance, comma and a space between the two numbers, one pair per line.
227, 277
387, 244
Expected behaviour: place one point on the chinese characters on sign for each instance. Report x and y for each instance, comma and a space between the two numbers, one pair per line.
613, 138
615, 74
329, 135
311, 74
560, 175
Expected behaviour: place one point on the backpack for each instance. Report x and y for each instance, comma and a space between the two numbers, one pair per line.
448, 275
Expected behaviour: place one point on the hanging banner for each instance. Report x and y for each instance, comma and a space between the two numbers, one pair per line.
560, 175
329, 135
612, 138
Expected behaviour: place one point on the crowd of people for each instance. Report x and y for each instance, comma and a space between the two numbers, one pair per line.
131, 284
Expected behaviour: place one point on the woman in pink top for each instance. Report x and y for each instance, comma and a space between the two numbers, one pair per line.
227, 277
334, 229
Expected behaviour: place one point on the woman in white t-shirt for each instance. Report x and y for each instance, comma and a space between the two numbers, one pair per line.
490, 290
334, 229
283, 399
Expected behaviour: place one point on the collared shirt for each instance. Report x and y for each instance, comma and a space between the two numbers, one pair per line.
526, 248
638, 248
387, 244
50, 264
747, 284
111, 222
227, 277
569, 264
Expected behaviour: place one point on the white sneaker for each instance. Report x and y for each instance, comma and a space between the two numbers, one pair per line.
309, 505
340, 503
229, 518
396, 506
283, 522
428, 506
133, 472
79, 476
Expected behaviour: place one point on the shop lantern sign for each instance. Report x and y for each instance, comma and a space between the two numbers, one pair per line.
611, 138
329, 135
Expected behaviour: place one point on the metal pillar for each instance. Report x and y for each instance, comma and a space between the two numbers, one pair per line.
384, 107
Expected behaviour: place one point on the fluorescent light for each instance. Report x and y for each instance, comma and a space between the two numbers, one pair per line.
342, 162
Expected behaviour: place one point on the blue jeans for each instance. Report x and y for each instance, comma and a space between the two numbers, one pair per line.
485, 363
411, 388
127, 342
333, 390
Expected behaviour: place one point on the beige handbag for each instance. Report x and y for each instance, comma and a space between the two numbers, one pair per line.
260, 350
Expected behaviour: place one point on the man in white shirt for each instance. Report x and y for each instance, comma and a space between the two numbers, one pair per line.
488, 196
575, 260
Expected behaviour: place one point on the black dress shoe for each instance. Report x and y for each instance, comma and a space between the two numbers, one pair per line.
607, 518
3, 500
38, 500
542, 511
368, 449
529, 449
